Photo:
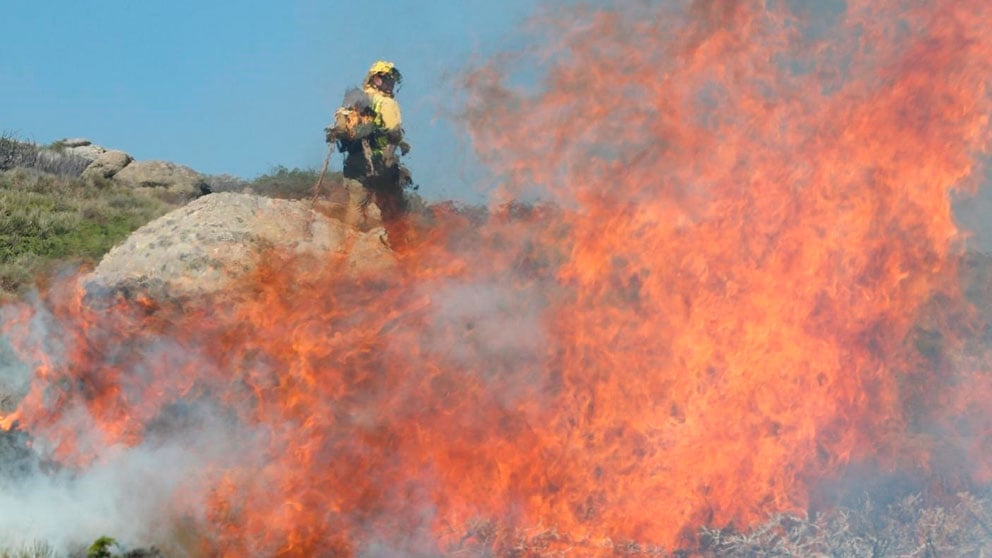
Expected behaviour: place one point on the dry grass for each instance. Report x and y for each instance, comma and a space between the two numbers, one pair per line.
15, 153
908, 528
47, 220
34, 550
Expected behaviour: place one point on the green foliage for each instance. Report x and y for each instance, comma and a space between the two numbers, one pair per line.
46, 219
101, 548
292, 184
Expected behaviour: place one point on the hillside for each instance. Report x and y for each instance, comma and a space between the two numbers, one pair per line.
282, 328
69, 203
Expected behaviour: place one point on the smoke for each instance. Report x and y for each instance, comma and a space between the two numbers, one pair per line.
306, 392
126, 493
497, 323
759, 200
15, 377
747, 287
69, 481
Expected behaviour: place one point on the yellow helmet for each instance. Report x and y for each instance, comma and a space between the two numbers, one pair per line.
381, 67
384, 68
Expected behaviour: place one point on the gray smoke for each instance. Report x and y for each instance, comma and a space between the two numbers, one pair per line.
135, 494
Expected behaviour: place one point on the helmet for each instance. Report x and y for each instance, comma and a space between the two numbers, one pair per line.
386, 69
381, 67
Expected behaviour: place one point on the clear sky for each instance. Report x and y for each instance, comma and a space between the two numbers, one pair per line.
239, 87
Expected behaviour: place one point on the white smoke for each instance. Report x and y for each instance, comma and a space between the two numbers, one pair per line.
136, 495
133, 494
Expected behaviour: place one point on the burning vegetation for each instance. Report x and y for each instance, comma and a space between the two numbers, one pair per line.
745, 298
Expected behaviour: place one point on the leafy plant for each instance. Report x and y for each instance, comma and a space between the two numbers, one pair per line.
101, 548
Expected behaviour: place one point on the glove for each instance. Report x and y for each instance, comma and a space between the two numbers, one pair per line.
330, 134
404, 148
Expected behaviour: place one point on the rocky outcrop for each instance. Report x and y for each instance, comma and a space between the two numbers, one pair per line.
75, 142
173, 182
88, 152
208, 244
170, 182
107, 164
80, 147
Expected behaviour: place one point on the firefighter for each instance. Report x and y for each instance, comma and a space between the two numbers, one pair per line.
368, 130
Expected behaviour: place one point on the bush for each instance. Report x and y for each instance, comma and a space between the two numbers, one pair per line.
46, 219
20, 154
63, 164
101, 548
226, 183
14, 153
291, 184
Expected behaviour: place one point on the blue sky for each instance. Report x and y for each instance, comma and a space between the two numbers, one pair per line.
240, 87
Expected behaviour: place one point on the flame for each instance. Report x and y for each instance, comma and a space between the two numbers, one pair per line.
7, 421
712, 319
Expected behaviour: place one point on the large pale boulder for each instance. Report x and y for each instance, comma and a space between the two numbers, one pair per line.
170, 181
107, 164
90, 152
79, 147
212, 242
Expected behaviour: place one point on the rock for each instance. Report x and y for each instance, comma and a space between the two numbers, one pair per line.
91, 152
107, 164
172, 182
208, 244
80, 147
74, 142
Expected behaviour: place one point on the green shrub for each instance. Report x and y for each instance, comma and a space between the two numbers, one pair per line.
292, 184
101, 548
46, 219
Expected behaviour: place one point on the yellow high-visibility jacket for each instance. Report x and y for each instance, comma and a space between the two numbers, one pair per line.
387, 110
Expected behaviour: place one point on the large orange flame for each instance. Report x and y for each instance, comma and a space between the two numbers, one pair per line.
762, 213
752, 206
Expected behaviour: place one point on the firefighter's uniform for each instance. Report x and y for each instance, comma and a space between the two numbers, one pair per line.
368, 129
